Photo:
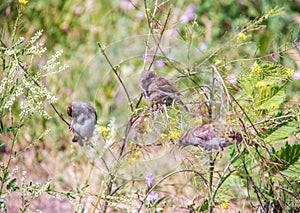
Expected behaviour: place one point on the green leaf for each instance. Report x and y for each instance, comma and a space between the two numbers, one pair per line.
159, 201
282, 133
2, 143
247, 87
272, 100
6, 177
245, 157
8, 129
286, 156
11, 184
203, 206
293, 172
70, 195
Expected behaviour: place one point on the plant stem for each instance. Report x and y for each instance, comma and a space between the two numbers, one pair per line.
9, 159
108, 192
211, 174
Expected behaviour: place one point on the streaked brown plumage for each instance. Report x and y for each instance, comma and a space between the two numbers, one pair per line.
209, 136
157, 89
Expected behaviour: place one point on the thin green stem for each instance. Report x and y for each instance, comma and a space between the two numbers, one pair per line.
9, 160
16, 25
108, 192
102, 49
210, 183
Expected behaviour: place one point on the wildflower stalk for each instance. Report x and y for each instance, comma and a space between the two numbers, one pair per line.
98, 198
157, 40
102, 49
150, 22
108, 191
224, 176
210, 183
16, 25
9, 160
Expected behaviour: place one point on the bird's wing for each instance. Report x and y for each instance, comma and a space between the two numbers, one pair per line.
80, 119
165, 86
205, 132
145, 83
91, 113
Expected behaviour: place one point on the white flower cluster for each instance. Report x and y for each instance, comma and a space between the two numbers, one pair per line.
3, 203
36, 36
111, 128
14, 48
34, 47
53, 65
22, 86
35, 189
9, 91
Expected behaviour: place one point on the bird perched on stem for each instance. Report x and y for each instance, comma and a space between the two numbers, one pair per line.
209, 137
84, 119
158, 90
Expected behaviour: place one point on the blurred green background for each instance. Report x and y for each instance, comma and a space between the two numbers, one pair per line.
76, 26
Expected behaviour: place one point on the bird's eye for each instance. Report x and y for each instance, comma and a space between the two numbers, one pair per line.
69, 109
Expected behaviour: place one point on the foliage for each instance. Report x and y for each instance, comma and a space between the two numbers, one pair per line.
234, 63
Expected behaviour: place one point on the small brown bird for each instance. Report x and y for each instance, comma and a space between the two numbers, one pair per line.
84, 119
157, 89
209, 136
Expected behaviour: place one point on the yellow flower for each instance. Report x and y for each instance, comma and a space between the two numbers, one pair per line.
225, 205
256, 68
217, 62
274, 106
136, 156
23, 2
148, 10
261, 84
164, 136
103, 130
131, 145
174, 134
289, 71
199, 121
242, 36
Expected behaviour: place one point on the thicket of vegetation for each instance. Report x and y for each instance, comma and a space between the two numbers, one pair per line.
235, 63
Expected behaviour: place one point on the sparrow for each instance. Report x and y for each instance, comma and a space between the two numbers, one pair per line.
157, 89
209, 137
84, 119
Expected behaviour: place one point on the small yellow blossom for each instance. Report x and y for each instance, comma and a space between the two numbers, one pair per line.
136, 156
103, 130
131, 145
217, 62
256, 68
242, 36
174, 134
289, 71
225, 205
274, 106
164, 136
199, 121
261, 84
148, 10
23, 2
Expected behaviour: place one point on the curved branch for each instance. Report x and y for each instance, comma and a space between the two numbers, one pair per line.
102, 49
